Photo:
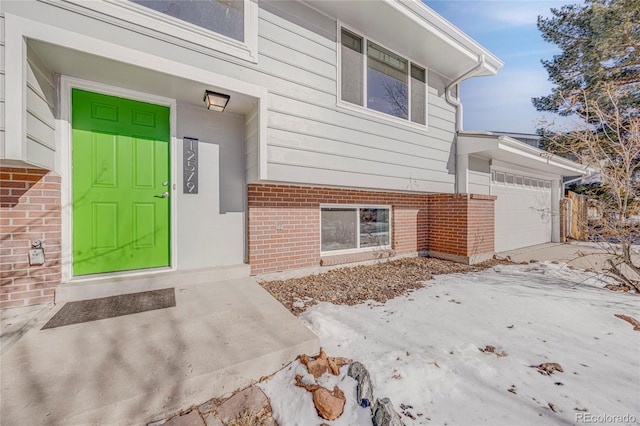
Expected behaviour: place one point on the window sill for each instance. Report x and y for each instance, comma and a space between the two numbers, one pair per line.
355, 251
327, 259
380, 116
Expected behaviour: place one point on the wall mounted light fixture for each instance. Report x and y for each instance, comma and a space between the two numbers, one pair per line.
216, 101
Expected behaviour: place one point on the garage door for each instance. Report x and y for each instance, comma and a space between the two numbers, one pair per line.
522, 210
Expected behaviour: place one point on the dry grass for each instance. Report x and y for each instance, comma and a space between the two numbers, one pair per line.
262, 418
353, 285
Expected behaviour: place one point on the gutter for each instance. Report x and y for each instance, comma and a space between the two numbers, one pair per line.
456, 101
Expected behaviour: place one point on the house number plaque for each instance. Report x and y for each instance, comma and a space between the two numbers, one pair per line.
190, 165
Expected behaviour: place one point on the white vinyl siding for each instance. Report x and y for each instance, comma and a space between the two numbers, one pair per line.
41, 125
308, 138
2, 148
479, 176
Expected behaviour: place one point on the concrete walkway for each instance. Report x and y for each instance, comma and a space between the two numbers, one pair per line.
138, 368
580, 256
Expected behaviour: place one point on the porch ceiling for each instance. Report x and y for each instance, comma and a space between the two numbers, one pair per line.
96, 68
505, 149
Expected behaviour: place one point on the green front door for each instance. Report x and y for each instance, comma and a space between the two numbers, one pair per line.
120, 184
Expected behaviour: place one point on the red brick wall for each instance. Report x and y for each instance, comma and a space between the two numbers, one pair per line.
297, 209
461, 225
29, 210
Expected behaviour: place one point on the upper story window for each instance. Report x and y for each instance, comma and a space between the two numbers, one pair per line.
227, 26
379, 79
224, 17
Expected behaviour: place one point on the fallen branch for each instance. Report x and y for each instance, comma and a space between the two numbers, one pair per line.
615, 270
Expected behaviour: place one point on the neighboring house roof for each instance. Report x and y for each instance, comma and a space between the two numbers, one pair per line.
528, 138
509, 150
410, 27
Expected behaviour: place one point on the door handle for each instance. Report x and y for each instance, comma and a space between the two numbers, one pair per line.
163, 195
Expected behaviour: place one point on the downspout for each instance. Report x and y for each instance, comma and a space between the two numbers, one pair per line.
456, 101
461, 167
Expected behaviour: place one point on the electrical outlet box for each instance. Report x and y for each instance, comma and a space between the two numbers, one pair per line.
36, 256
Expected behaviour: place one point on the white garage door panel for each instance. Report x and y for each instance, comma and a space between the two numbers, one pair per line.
523, 216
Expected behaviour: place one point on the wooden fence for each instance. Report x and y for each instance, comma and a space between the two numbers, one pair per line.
579, 216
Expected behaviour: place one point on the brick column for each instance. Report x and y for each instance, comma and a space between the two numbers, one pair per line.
461, 227
29, 211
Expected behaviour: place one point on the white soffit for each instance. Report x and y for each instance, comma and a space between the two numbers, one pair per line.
505, 149
412, 29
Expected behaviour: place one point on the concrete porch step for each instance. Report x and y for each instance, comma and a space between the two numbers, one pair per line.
94, 287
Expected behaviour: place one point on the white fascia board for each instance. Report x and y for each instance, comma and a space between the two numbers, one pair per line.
490, 144
521, 148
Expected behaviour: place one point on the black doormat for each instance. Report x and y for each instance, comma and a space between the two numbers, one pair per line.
113, 306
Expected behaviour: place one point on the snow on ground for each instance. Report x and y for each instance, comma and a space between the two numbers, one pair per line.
422, 351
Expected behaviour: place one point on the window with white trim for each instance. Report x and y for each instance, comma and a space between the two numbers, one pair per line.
228, 26
351, 228
224, 17
378, 79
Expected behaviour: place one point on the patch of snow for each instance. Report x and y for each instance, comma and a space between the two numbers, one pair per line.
293, 405
422, 351
300, 303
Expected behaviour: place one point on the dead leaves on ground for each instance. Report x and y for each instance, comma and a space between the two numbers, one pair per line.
492, 350
548, 368
353, 285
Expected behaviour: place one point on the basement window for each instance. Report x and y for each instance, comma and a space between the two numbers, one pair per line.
354, 227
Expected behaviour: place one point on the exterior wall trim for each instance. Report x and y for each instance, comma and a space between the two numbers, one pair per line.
135, 17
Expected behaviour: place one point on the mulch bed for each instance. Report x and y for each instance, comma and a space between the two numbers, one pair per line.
352, 285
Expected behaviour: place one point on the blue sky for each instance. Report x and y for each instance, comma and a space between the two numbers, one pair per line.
508, 29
